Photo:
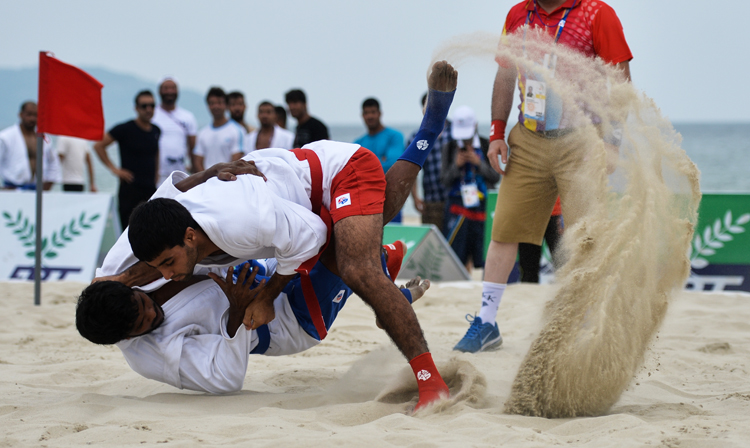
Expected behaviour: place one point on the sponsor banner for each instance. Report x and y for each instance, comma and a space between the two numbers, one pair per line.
72, 228
428, 255
719, 253
720, 250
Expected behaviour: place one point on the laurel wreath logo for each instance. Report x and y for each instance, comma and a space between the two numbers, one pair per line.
714, 238
24, 230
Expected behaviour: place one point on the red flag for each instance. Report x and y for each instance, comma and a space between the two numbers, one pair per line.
70, 100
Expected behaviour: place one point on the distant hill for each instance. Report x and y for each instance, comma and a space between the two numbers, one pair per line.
19, 85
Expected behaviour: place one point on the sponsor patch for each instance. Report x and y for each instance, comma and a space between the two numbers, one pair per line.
422, 145
339, 296
423, 375
343, 200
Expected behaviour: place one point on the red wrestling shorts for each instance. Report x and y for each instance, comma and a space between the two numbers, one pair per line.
359, 189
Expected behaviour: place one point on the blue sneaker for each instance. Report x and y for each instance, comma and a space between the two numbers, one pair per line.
479, 337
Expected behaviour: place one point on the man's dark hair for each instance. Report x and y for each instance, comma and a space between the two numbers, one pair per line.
158, 225
217, 92
281, 113
142, 93
424, 99
106, 312
266, 103
371, 102
295, 96
24, 104
234, 95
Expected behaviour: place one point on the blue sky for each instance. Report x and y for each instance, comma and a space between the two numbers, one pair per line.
690, 56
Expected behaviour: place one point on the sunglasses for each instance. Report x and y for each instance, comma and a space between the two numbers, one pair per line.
146, 105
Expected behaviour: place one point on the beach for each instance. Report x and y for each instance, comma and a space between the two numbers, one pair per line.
355, 388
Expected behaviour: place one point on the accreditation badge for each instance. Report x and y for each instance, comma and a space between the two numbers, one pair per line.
470, 195
534, 99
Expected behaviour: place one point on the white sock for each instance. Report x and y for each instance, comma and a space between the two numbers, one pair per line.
491, 295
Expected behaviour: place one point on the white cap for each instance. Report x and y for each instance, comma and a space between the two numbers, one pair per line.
464, 124
168, 78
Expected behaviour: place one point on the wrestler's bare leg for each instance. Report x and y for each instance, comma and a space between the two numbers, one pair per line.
358, 243
401, 176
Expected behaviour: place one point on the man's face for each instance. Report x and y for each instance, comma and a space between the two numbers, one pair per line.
144, 107
237, 109
150, 314
266, 115
168, 92
176, 263
297, 108
28, 116
218, 107
371, 116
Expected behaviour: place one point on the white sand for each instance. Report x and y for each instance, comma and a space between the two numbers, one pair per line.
59, 390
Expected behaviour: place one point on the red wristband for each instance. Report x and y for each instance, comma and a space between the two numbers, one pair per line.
497, 130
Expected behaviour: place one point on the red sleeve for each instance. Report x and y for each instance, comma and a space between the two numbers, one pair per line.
511, 25
609, 39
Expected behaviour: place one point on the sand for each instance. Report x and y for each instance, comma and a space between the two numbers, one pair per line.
59, 390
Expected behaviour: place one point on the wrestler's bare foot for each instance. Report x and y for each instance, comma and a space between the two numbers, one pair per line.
443, 78
417, 287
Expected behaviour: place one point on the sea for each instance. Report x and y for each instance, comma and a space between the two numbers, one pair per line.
720, 150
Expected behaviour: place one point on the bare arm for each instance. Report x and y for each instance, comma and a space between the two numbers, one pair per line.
191, 146
198, 163
101, 150
90, 168
139, 274
502, 101
223, 171
624, 67
260, 310
239, 295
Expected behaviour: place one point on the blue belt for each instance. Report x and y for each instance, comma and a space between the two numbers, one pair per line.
264, 340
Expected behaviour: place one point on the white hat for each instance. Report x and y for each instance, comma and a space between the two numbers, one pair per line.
464, 124
168, 78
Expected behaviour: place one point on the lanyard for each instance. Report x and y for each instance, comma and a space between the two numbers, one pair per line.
560, 24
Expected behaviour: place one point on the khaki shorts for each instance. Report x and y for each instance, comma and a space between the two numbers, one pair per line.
538, 171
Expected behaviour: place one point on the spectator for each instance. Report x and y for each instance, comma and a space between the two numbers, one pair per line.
280, 116
138, 141
18, 154
309, 129
236, 105
468, 175
386, 143
74, 155
530, 255
432, 207
178, 130
270, 134
223, 139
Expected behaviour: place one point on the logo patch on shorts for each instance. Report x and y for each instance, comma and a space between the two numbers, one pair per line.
422, 145
343, 200
339, 296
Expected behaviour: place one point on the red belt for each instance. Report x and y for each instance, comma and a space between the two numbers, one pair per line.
316, 198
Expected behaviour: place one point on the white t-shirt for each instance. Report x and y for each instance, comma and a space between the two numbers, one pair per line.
175, 127
281, 139
73, 153
218, 145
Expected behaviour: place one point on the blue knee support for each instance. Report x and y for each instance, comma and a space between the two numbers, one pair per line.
438, 104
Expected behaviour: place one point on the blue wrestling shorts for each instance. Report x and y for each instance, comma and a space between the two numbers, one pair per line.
330, 290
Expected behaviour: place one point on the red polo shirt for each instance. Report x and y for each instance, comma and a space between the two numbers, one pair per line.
592, 27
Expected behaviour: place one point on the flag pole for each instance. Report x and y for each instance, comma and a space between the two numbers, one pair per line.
38, 251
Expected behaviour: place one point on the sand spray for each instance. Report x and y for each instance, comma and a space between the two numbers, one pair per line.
629, 219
